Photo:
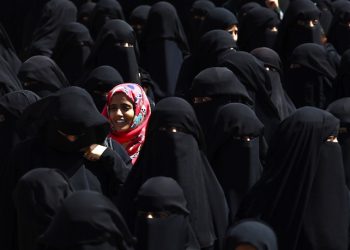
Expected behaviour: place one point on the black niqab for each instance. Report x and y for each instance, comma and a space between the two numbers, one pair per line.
171, 230
251, 232
55, 15
302, 193
310, 77
234, 152
42, 75
116, 46
84, 13
94, 224
179, 155
38, 196
72, 49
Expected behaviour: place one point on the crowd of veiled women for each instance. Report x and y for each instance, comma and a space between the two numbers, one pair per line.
146, 125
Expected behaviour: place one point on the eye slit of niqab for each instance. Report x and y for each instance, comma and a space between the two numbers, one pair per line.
202, 99
124, 44
332, 138
154, 215
172, 129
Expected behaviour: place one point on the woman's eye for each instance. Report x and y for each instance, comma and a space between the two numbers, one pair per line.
332, 138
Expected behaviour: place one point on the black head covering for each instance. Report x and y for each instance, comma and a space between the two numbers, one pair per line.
110, 50
341, 109
290, 34
8, 78
7, 51
251, 232
253, 75
100, 81
138, 19
178, 155
255, 29
326, 17
165, 45
218, 19
292, 194
93, 222
42, 75
245, 9
211, 47
84, 13
222, 86
38, 196
162, 199
55, 15
55, 112
104, 10
342, 88
339, 32
274, 68
198, 13
234, 151
12, 106
310, 77
72, 49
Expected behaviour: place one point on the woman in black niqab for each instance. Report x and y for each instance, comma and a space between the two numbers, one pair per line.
42, 75
174, 148
211, 89
162, 216
233, 152
100, 81
211, 47
198, 13
251, 233
302, 193
104, 11
116, 46
84, 13
258, 28
299, 25
310, 79
55, 15
339, 31
341, 109
72, 49
165, 46
94, 223
38, 196
138, 19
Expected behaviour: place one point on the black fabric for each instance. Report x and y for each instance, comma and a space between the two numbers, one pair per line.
233, 152
218, 19
100, 81
38, 196
254, 77
56, 13
211, 47
290, 34
12, 106
171, 229
104, 11
302, 193
84, 13
255, 29
138, 19
326, 17
8, 78
274, 68
340, 109
94, 224
179, 155
310, 77
198, 13
7, 51
72, 49
339, 32
222, 86
343, 77
252, 232
42, 75
109, 50
165, 45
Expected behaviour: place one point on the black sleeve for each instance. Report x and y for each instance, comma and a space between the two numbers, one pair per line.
111, 171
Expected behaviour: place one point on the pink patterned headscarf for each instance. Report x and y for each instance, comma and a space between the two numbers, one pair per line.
134, 137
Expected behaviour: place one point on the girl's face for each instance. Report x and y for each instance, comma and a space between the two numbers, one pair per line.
121, 112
